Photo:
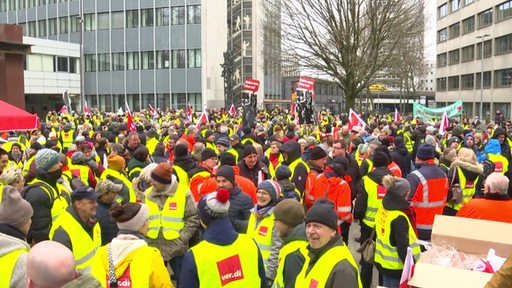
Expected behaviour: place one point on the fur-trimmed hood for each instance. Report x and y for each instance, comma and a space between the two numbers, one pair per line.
476, 168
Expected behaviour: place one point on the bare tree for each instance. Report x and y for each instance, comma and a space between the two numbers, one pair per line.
350, 40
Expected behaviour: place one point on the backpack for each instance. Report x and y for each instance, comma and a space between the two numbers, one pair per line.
488, 167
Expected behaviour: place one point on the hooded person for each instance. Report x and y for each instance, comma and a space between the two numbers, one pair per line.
401, 156
283, 174
291, 153
221, 243
201, 178
183, 162
173, 216
493, 153
261, 226
15, 219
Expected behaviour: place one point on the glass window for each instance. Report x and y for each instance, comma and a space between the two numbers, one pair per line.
117, 61
468, 25
162, 17
487, 49
468, 81
194, 58
487, 79
30, 3
73, 64
63, 25
504, 10
75, 23
194, 14
22, 4
103, 62
441, 60
117, 19
103, 21
3, 6
89, 22
467, 2
454, 5
42, 28
503, 77
12, 5
146, 17
132, 18
61, 64
178, 58
442, 35
504, 44
147, 60
132, 60
178, 15
468, 53
454, 57
442, 10
455, 30
162, 59
52, 26
32, 29
441, 84
90, 63
485, 18
453, 83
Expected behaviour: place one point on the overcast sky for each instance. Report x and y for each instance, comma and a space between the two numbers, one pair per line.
430, 30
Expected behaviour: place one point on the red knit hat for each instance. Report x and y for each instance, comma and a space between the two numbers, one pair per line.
162, 173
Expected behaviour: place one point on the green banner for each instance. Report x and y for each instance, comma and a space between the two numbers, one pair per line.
421, 111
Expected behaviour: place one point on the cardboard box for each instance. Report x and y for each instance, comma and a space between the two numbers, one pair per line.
471, 236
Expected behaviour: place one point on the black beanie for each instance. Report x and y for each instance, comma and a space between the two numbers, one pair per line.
283, 172
318, 153
227, 159
380, 159
323, 212
207, 154
228, 172
248, 150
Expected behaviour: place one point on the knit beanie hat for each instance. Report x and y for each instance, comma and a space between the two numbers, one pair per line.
207, 154
137, 221
322, 211
115, 162
272, 188
400, 188
162, 173
46, 158
318, 153
228, 172
77, 157
457, 131
283, 172
246, 130
223, 141
339, 165
228, 159
425, 152
380, 159
398, 140
290, 212
14, 210
213, 206
248, 150
180, 150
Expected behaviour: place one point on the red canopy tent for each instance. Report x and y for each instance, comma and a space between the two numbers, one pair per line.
13, 118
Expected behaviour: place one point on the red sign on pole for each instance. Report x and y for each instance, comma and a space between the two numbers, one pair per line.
251, 85
306, 83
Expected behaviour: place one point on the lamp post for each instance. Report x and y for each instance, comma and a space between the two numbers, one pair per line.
482, 73
82, 56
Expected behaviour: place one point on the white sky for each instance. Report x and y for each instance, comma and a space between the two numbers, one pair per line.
430, 29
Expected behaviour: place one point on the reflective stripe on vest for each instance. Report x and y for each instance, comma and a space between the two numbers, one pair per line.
170, 218
261, 232
425, 203
320, 272
374, 200
468, 190
386, 254
26, 167
7, 262
134, 170
231, 266
61, 198
234, 152
67, 138
83, 246
287, 249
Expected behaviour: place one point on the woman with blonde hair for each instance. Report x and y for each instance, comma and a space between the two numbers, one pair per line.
13, 177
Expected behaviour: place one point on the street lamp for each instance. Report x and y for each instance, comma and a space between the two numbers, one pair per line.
482, 73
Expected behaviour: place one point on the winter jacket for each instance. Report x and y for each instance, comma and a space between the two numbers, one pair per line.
220, 232
252, 174
295, 260
471, 171
12, 239
492, 206
60, 235
199, 177
108, 225
132, 164
300, 173
240, 205
403, 158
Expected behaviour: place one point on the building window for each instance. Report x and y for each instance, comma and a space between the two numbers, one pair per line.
90, 63
485, 18
146, 17
487, 49
63, 25
504, 44
178, 58
104, 62
52, 26
442, 35
117, 19
31, 3
3, 6
73, 64
162, 17
468, 53
441, 84
60, 64
147, 60
441, 60
503, 78
32, 29
41, 28
21, 4
454, 57
453, 83
467, 2
194, 14
487, 79
162, 59
468, 81
132, 60
194, 58
504, 10
132, 18
89, 22
75, 23
442, 10
454, 5
103, 21
178, 15
117, 61
468, 25
455, 30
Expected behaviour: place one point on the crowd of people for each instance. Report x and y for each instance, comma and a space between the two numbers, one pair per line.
167, 201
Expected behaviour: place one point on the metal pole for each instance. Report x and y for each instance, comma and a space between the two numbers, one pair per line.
482, 74
82, 57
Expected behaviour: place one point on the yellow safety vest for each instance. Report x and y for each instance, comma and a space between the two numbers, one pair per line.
84, 247
500, 163
26, 167
271, 167
151, 145
171, 218
231, 266
140, 266
81, 170
375, 194
386, 254
67, 138
319, 274
359, 157
409, 144
61, 198
261, 232
7, 262
287, 249
182, 176
122, 177
212, 146
133, 171
468, 190
234, 152
247, 141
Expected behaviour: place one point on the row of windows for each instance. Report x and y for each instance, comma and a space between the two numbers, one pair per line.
502, 78
451, 6
137, 102
484, 18
143, 60
11, 5
502, 45
49, 63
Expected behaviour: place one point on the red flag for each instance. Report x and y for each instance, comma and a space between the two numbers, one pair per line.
203, 118
355, 120
444, 123
130, 125
86, 108
189, 112
63, 110
153, 111
232, 110
408, 269
397, 116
